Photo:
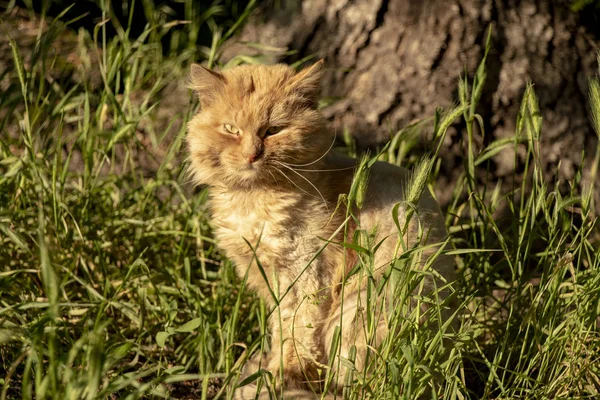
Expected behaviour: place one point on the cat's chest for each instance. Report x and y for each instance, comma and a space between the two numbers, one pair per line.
251, 225
267, 223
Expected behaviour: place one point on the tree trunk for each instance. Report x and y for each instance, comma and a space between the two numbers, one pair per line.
392, 62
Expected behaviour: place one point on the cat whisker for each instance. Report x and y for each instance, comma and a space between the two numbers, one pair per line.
189, 181
294, 183
307, 180
321, 170
320, 158
274, 179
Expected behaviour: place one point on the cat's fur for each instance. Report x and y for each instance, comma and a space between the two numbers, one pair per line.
273, 194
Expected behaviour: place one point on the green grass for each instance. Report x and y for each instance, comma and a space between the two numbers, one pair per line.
111, 285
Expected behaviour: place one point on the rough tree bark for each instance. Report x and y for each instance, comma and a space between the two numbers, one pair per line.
394, 61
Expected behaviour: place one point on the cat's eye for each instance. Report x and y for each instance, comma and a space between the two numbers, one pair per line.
273, 130
231, 129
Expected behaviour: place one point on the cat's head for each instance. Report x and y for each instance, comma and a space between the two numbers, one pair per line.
253, 120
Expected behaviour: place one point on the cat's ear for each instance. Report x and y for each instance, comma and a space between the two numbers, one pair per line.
206, 83
307, 82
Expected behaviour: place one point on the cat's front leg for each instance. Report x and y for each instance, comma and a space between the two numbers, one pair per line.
251, 391
279, 383
297, 350
293, 363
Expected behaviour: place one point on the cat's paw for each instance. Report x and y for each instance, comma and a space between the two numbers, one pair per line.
274, 380
254, 364
255, 370
251, 392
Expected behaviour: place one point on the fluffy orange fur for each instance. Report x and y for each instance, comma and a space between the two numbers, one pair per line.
262, 146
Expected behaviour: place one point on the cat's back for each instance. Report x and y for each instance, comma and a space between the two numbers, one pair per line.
387, 185
386, 189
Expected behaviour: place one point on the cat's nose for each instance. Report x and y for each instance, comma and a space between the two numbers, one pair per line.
252, 148
254, 155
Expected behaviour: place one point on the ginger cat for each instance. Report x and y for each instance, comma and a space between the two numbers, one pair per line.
261, 145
